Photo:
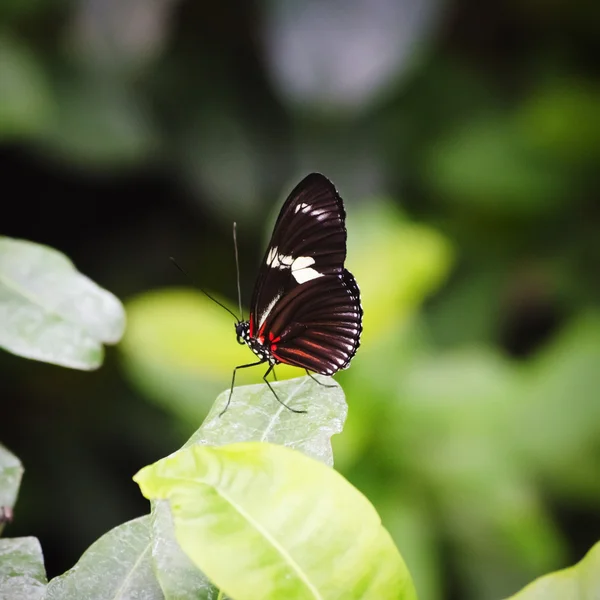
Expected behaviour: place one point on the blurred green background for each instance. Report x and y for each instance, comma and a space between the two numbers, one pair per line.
464, 138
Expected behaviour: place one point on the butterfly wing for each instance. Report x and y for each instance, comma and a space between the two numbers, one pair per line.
318, 325
306, 307
308, 242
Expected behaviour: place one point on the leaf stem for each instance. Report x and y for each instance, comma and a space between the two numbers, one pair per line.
220, 596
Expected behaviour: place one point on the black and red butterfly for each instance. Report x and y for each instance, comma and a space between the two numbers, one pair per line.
305, 309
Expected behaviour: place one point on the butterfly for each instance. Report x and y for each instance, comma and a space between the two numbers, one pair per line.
305, 309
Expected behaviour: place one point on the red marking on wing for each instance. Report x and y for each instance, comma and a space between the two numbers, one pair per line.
296, 352
251, 328
261, 333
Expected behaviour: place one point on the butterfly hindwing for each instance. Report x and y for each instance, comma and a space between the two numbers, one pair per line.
318, 325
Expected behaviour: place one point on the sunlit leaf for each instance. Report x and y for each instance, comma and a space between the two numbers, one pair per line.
118, 566
22, 572
411, 261
51, 312
266, 522
176, 573
580, 582
253, 415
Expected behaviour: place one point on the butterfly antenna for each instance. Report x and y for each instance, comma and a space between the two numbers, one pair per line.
204, 291
237, 270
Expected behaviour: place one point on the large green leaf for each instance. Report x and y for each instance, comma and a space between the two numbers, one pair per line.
22, 573
254, 415
266, 522
51, 312
580, 582
118, 566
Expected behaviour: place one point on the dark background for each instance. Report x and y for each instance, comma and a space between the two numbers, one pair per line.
131, 132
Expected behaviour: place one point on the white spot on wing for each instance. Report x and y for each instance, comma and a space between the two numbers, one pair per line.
304, 275
279, 261
303, 206
301, 269
268, 310
301, 266
302, 262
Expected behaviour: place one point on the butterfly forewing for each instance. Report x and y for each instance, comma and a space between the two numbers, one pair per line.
306, 307
309, 238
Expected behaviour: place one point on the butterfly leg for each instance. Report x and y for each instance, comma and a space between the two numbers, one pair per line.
315, 379
254, 364
294, 410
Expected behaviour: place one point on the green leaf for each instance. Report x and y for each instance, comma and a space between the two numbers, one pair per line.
100, 123
419, 257
22, 573
254, 415
118, 566
453, 428
407, 516
486, 167
580, 582
266, 522
176, 573
564, 380
26, 104
51, 312
11, 472
559, 120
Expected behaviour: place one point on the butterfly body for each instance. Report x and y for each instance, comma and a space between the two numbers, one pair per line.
305, 309
257, 345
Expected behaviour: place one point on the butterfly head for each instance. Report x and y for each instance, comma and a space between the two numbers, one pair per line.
242, 331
